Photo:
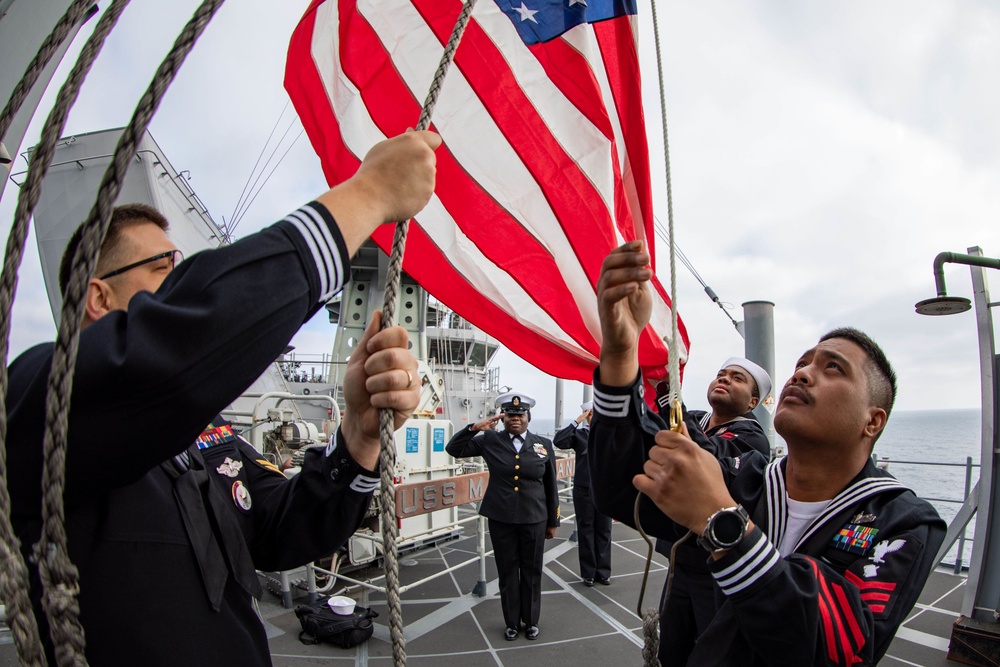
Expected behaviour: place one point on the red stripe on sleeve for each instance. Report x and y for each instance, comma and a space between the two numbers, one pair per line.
848, 614
827, 599
830, 639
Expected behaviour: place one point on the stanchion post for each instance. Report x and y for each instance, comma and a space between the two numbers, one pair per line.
480, 589
311, 582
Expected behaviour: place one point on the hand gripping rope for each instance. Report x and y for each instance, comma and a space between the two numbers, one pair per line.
387, 454
650, 618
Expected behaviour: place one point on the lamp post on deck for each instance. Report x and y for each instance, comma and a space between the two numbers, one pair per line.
976, 634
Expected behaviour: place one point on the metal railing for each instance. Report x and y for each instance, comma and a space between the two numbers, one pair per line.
968, 465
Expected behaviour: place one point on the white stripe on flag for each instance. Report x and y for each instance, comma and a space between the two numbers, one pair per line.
579, 138
465, 127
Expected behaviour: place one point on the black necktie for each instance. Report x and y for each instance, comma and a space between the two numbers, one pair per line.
190, 479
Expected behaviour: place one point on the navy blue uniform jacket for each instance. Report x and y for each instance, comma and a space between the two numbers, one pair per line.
837, 600
522, 486
147, 382
575, 437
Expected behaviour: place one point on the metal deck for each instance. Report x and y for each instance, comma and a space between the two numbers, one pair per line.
446, 625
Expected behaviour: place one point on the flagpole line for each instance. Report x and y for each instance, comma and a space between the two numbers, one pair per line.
387, 454
650, 617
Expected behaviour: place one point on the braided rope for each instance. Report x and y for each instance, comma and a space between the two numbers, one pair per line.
59, 576
673, 362
387, 454
21, 619
41, 60
651, 645
650, 624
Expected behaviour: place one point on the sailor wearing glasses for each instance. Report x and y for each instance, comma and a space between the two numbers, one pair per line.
521, 504
157, 503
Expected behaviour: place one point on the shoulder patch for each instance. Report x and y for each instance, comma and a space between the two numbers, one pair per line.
880, 577
267, 465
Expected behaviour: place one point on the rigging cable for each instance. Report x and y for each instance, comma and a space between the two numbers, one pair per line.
245, 206
664, 236
239, 202
271, 173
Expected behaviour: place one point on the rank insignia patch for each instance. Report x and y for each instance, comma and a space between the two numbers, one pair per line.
270, 466
540, 449
854, 539
241, 496
230, 468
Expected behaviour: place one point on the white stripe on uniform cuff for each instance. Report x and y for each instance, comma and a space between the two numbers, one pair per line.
612, 405
325, 252
337, 262
363, 484
750, 567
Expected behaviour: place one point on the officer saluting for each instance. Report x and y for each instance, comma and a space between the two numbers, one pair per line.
521, 504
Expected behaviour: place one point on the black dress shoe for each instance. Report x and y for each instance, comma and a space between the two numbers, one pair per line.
510, 634
531, 632
588, 582
605, 581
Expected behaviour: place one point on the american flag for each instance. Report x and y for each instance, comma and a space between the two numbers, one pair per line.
544, 167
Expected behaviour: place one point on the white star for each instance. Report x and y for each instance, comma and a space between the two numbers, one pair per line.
577, 2
526, 14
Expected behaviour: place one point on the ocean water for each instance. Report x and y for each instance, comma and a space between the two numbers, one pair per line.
926, 450
912, 440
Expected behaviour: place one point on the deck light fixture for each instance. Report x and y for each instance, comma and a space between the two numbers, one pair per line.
943, 304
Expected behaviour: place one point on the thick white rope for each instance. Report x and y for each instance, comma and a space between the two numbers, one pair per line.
651, 616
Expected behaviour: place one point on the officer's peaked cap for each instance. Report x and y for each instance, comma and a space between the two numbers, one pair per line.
514, 402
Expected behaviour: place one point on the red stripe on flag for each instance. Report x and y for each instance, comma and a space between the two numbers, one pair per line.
304, 83
621, 61
392, 108
556, 360
571, 73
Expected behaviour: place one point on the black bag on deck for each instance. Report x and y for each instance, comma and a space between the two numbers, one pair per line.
321, 624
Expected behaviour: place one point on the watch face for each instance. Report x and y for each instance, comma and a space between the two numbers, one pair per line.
728, 527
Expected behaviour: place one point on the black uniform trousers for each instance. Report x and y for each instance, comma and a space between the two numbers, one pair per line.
593, 536
685, 616
692, 604
517, 549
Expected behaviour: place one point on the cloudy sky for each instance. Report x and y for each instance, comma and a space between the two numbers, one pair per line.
822, 154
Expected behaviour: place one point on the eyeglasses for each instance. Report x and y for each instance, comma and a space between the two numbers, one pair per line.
175, 257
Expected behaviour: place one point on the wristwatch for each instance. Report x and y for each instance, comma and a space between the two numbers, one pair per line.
725, 529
